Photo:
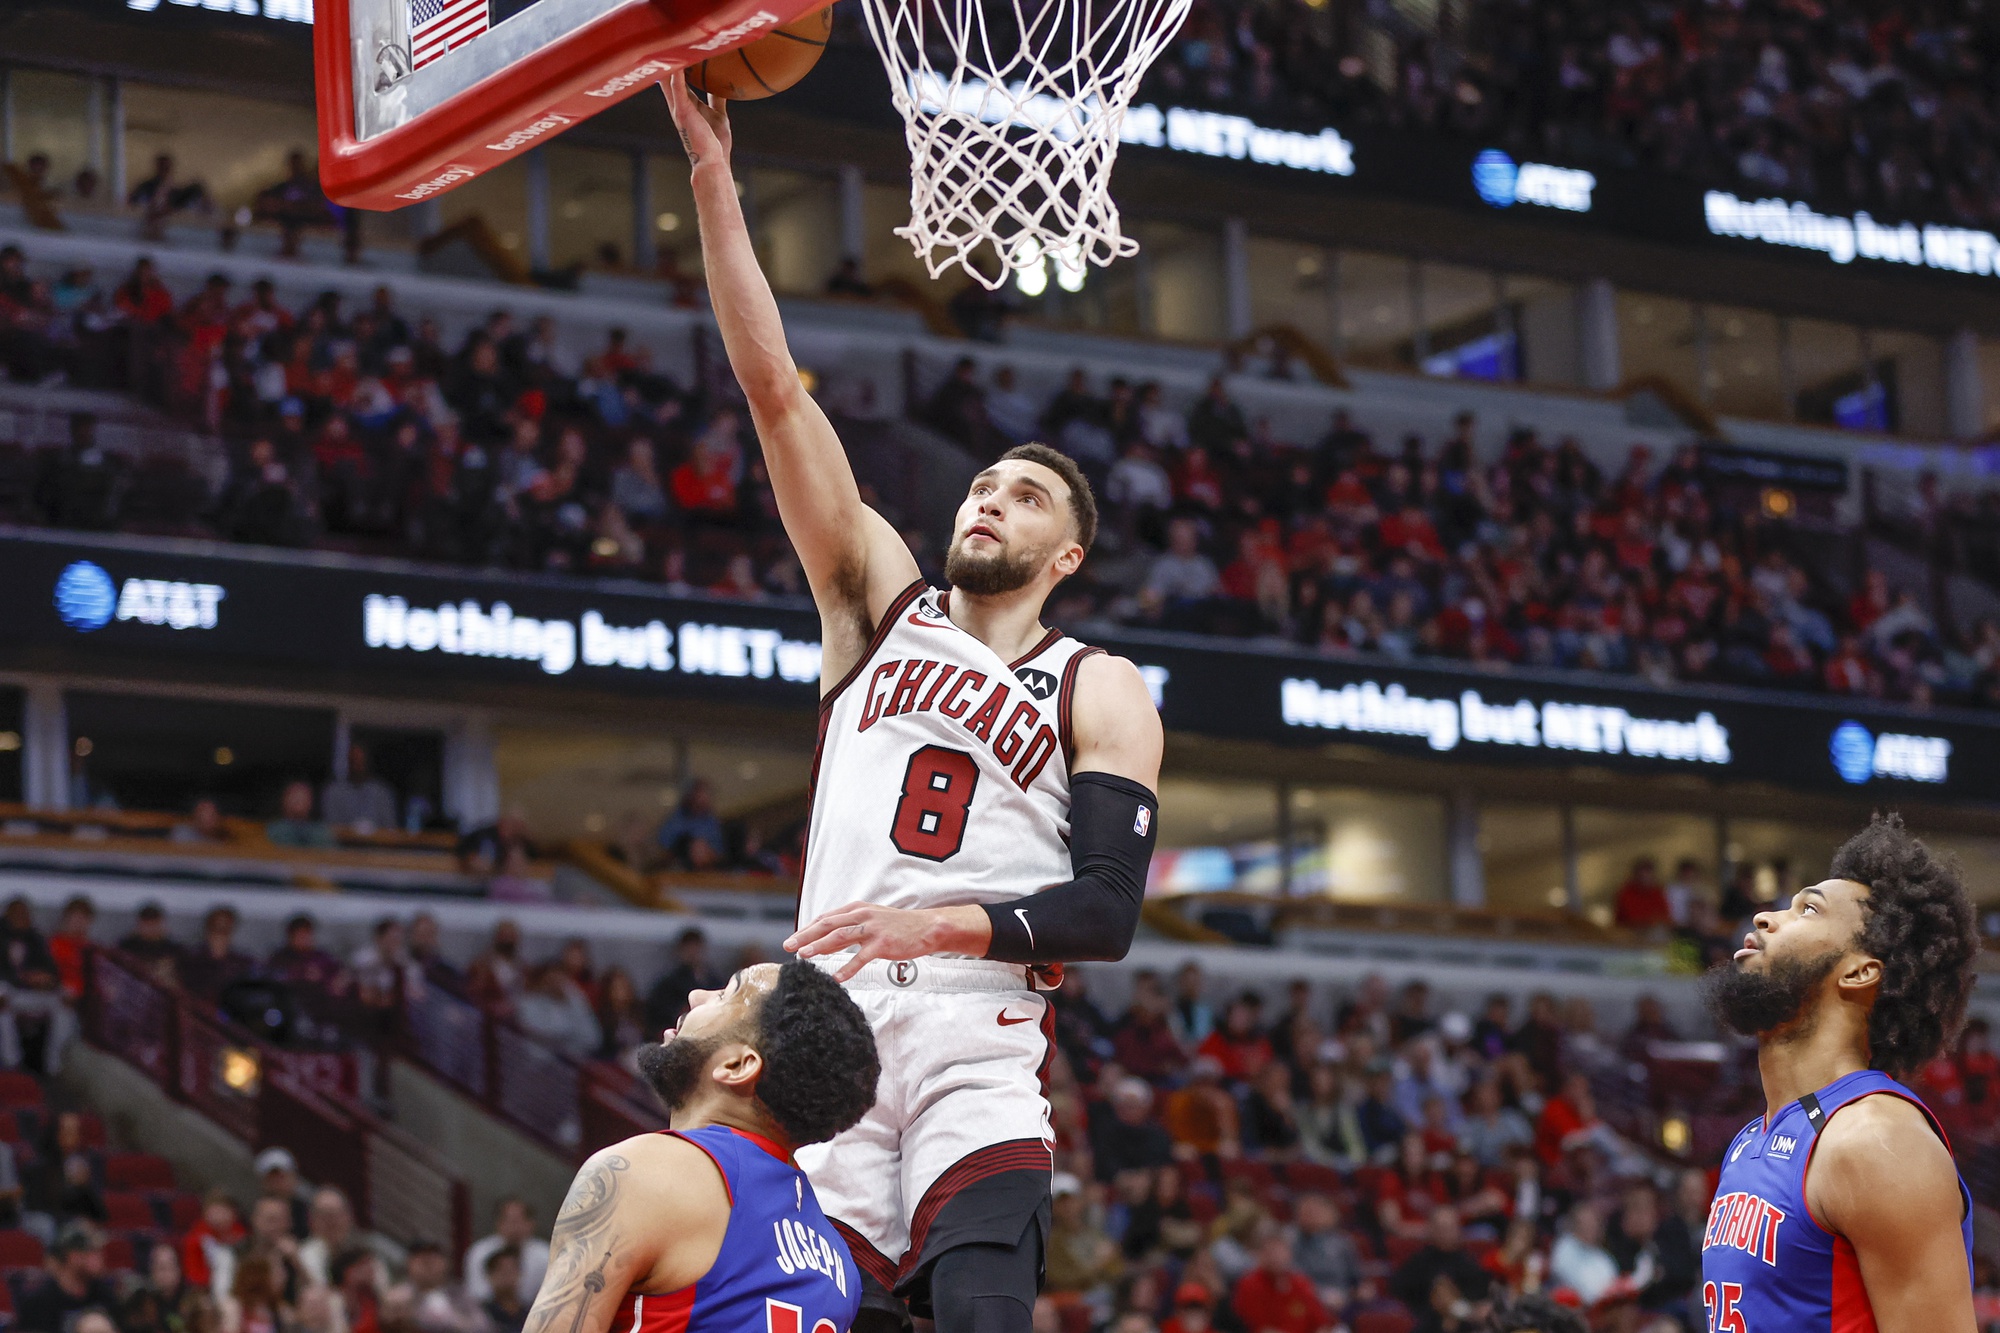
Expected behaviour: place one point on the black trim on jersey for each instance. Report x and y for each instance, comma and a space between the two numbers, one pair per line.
1091, 918
1063, 698
1814, 1116
882, 628
1049, 640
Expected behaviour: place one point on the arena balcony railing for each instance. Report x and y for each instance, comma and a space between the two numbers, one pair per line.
263, 1096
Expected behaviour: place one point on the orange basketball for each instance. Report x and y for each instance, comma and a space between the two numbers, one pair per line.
771, 64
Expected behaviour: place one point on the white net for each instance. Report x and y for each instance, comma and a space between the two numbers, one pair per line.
1013, 110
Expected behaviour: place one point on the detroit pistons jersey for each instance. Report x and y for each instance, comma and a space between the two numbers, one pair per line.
782, 1267
942, 775
1766, 1263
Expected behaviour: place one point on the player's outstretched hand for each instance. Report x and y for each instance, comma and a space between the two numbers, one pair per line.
874, 931
704, 127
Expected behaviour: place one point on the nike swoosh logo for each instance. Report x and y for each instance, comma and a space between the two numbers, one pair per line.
1022, 913
1008, 1020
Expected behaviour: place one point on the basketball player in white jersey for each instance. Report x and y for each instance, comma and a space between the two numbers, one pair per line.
982, 810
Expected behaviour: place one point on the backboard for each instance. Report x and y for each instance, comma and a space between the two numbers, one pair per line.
417, 97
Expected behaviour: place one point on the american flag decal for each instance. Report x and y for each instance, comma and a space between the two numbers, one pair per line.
436, 26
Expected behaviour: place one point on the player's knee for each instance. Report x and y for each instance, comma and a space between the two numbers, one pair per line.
987, 1288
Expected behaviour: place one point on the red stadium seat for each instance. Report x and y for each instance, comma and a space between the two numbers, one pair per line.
126, 1210
184, 1210
119, 1254
1385, 1320
1399, 1248
1311, 1177
93, 1130
138, 1171
18, 1249
18, 1089
1257, 1173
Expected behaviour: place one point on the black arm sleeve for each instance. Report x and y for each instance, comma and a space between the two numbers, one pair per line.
1092, 917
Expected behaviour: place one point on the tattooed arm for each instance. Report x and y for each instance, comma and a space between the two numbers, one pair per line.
644, 1215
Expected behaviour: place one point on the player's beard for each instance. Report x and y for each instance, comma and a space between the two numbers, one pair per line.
674, 1068
989, 575
1754, 1003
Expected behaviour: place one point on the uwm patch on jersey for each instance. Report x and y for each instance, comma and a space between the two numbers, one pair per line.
942, 775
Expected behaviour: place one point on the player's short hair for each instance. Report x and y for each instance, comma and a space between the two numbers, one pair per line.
820, 1064
1921, 926
1082, 504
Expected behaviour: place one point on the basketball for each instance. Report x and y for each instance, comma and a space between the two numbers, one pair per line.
771, 64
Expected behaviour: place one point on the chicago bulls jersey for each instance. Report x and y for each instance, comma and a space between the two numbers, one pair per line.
942, 775
1767, 1265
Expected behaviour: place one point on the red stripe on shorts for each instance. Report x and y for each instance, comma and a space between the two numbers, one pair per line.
871, 1260
1015, 1155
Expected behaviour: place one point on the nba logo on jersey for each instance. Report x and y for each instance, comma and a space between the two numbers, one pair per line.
1142, 821
1783, 1146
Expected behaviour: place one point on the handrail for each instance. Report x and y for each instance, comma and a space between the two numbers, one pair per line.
567, 1105
265, 1096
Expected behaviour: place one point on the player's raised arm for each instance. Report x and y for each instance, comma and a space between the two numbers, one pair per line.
852, 557
1882, 1179
644, 1215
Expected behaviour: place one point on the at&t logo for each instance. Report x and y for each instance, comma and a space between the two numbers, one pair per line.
1859, 755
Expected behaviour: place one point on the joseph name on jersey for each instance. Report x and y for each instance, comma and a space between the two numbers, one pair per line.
942, 775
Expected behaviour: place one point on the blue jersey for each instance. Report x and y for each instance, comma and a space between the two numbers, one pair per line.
1767, 1265
782, 1267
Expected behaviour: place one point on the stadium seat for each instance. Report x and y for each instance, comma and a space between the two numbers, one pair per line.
183, 1211
138, 1171
1306, 1177
1398, 1248
127, 1210
1257, 1173
120, 1254
18, 1249
1384, 1320
18, 1089
93, 1130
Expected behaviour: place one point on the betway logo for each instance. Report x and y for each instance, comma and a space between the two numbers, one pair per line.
467, 629
529, 133
444, 180
737, 31
1371, 709
649, 72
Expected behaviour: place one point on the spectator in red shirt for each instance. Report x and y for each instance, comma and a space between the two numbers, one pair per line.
1275, 1297
1870, 604
1979, 1073
1406, 1194
1194, 1310
219, 1228
702, 485
1848, 672
1239, 1044
1571, 1112
1143, 1040
142, 298
1642, 900
71, 942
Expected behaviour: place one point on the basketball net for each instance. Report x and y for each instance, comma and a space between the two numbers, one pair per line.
1013, 119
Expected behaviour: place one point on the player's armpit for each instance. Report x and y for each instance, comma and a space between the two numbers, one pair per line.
1115, 726
646, 1214
1882, 1178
